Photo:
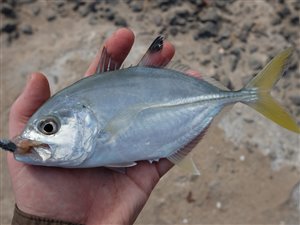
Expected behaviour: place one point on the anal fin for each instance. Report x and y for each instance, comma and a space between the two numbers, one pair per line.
183, 159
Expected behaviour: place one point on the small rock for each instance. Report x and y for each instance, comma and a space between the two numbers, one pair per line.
210, 15
136, 6
227, 83
93, 20
243, 36
109, 14
208, 29
284, 11
206, 49
9, 25
198, 3
217, 58
158, 20
295, 20
224, 34
253, 48
26, 1
255, 64
295, 100
236, 51
26, 29
242, 158
35, 9
7, 10
233, 60
51, 15
120, 21
176, 20
59, 3
276, 20
173, 31
226, 43
219, 205
248, 120
84, 10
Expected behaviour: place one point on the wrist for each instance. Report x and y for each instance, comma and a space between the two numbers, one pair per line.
21, 217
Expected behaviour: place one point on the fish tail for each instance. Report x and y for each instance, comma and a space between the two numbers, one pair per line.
262, 83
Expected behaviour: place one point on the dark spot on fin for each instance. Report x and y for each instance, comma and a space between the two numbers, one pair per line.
106, 62
8, 145
156, 46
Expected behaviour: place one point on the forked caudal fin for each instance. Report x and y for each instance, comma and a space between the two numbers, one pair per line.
263, 83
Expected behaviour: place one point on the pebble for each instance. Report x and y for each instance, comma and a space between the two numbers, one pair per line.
295, 21
236, 51
243, 36
109, 14
120, 21
210, 15
8, 25
35, 9
84, 10
26, 29
242, 158
253, 48
136, 6
7, 10
284, 11
173, 31
176, 20
276, 20
206, 49
93, 20
255, 64
158, 20
206, 30
226, 43
295, 99
219, 205
233, 60
51, 15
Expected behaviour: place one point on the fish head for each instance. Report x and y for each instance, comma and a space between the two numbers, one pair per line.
57, 135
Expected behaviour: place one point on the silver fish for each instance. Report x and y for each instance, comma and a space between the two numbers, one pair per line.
119, 117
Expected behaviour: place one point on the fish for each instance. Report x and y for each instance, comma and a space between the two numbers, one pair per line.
118, 117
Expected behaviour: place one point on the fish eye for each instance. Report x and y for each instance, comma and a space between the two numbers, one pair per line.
49, 126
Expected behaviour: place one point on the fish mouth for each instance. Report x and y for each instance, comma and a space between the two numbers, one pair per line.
25, 146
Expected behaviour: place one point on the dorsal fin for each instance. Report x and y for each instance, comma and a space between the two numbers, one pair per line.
215, 83
106, 62
178, 66
155, 48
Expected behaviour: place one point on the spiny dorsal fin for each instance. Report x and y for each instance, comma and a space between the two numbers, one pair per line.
153, 50
106, 62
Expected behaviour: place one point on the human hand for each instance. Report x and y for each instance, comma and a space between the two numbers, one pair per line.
89, 196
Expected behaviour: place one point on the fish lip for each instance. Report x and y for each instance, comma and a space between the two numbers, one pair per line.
26, 146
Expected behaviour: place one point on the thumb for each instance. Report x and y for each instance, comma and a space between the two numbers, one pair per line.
36, 92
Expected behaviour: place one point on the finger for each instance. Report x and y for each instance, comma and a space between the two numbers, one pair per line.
161, 58
36, 92
117, 46
163, 166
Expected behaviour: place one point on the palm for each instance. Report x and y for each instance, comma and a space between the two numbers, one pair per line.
81, 195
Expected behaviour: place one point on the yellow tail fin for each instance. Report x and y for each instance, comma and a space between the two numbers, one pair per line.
263, 82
